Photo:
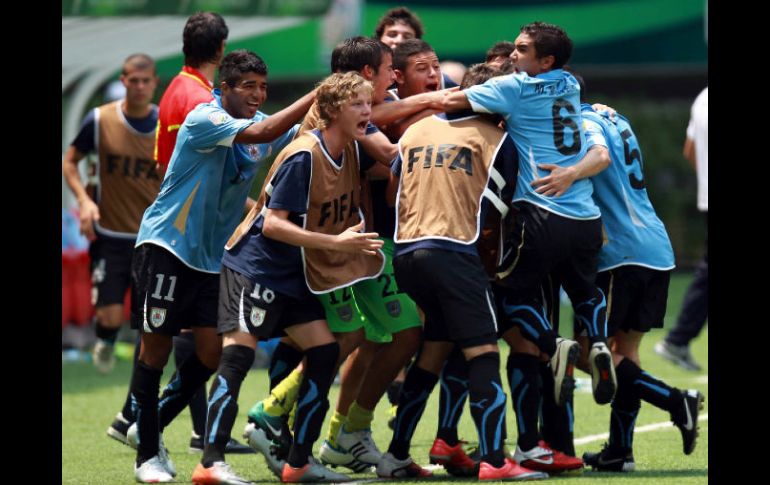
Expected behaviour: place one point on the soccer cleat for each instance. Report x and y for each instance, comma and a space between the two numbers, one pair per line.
390, 467
678, 354
133, 442
563, 366
311, 472
219, 473
329, 455
131, 436
543, 458
453, 458
259, 442
686, 418
103, 355
508, 472
603, 377
232, 447
275, 428
119, 428
610, 460
152, 471
360, 445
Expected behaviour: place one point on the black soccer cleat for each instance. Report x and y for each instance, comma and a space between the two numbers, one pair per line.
685, 418
610, 460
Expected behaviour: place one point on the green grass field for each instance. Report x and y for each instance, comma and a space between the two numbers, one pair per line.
90, 401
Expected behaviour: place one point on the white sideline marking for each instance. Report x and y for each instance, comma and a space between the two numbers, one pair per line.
639, 429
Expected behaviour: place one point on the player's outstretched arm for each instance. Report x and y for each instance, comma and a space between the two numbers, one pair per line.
379, 147
386, 113
277, 124
455, 101
278, 226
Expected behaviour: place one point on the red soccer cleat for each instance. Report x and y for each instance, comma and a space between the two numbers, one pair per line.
543, 458
509, 471
453, 459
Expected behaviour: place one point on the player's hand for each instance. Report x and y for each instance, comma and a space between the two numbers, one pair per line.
557, 182
89, 214
599, 108
352, 241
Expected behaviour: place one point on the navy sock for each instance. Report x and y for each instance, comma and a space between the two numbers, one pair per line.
556, 421
418, 385
285, 359
104, 333
625, 409
312, 401
144, 390
526, 389
647, 387
187, 380
591, 313
184, 347
454, 392
487, 401
529, 315
223, 401
129, 404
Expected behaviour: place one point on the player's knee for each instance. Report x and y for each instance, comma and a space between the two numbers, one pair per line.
348, 342
110, 316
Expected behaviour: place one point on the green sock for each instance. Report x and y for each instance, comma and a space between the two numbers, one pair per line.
338, 419
358, 418
283, 396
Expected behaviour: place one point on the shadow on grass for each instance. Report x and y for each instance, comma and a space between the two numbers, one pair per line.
646, 474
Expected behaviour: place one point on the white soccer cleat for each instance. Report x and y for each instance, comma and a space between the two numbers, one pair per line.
330, 455
603, 377
152, 471
360, 445
563, 367
259, 442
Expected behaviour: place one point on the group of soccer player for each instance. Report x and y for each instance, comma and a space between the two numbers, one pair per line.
404, 227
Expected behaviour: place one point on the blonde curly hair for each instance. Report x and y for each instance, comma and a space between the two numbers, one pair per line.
336, 90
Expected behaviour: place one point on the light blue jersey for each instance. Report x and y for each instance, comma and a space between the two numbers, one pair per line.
634, 233
202, 196
542, 116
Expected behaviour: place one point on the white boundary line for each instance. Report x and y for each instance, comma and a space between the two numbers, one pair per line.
641, 429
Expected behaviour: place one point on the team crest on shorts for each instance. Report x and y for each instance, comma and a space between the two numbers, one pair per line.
257, 316
394, 308
345, 313
157, 316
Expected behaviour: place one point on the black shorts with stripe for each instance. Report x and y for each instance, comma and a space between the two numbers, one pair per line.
543, 243
636, 297
167, 295
453, 290
110, 269
256, 309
